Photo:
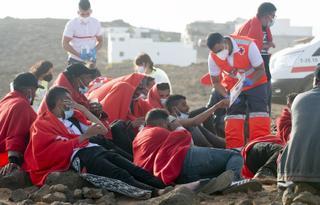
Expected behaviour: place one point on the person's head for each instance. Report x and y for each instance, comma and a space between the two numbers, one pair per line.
42, 70
27, 84
266, 13
163, 91
143, 87
158, 118
58, 100
84, 9
290, 99
217, 44
316, 76
79, 76
177, 104
143, 63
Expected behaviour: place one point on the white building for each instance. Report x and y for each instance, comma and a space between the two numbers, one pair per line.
126, 43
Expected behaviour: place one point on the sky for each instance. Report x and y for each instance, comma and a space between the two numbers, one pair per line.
167, 15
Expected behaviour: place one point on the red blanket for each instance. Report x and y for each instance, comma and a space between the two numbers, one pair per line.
101, 92
62, 81
154, 98
270, 138
284, 125
253, 29
16, 117
50, 147
146, 145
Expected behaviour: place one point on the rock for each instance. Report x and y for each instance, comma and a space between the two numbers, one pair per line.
56, 196
60, 203
246, 202
41, 203
69, 178
5, 193
77, 194
59, 188
275, 203
304, 187
15, 180
31, 189
179, 196
26, 202
298, 203
288, 196
308, 198
18, 195
106, 200
92, 193
40, 193
2, 203
84, 202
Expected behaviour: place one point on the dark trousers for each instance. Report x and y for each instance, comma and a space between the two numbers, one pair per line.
263, 155
266, 60
122, 135
108, 163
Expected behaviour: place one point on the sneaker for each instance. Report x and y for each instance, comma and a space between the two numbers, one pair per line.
265, 176
217, 184
244, 186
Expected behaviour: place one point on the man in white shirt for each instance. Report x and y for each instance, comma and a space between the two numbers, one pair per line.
82, 36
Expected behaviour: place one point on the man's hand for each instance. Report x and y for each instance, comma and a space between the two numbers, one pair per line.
223, 103
9, 168
174, 125
137, 122
92, 131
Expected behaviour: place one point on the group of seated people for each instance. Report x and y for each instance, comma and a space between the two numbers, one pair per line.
131, 128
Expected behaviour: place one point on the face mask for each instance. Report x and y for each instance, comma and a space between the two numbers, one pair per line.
48, 77
83, 90
183, 116
68, 113
271, 23
140, 69
84, 20
163, 101
222, 55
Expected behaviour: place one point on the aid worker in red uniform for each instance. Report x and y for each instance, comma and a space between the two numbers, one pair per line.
229, 56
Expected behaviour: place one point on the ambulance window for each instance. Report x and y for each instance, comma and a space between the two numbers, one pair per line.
317, 53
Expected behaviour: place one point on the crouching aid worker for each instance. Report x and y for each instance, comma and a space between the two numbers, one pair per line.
61, 134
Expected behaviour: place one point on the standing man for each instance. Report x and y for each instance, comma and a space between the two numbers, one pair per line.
82, 36
230, 56
258, 28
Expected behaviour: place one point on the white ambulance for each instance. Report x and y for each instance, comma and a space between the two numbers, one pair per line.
292, 69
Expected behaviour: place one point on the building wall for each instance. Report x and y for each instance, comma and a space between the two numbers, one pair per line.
121, 47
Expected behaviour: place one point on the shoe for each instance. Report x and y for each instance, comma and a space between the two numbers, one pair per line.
265, 176
244, 186
217, 184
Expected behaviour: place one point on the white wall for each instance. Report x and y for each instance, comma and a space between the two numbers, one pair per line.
282, 27
174, 53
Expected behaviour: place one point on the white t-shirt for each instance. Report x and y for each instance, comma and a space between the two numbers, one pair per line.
83, 34
254, 57
160, 77
74, 130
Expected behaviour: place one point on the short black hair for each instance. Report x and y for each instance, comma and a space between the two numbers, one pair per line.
265, 9
149, 80
213, 39
173, 101
78, 69
156, 116
163, 86
54, 94
40, 68
84, 5
25, 80
291, 97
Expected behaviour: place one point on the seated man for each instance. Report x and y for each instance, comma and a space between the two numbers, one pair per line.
299, 161
177, 106
16, 117
61, 134
165, 149
261, 155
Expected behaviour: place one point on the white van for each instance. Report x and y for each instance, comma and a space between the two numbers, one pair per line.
292, 69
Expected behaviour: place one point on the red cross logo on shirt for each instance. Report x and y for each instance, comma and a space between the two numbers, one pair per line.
241, 50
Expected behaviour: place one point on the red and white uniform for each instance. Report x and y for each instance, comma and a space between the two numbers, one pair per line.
244, 57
